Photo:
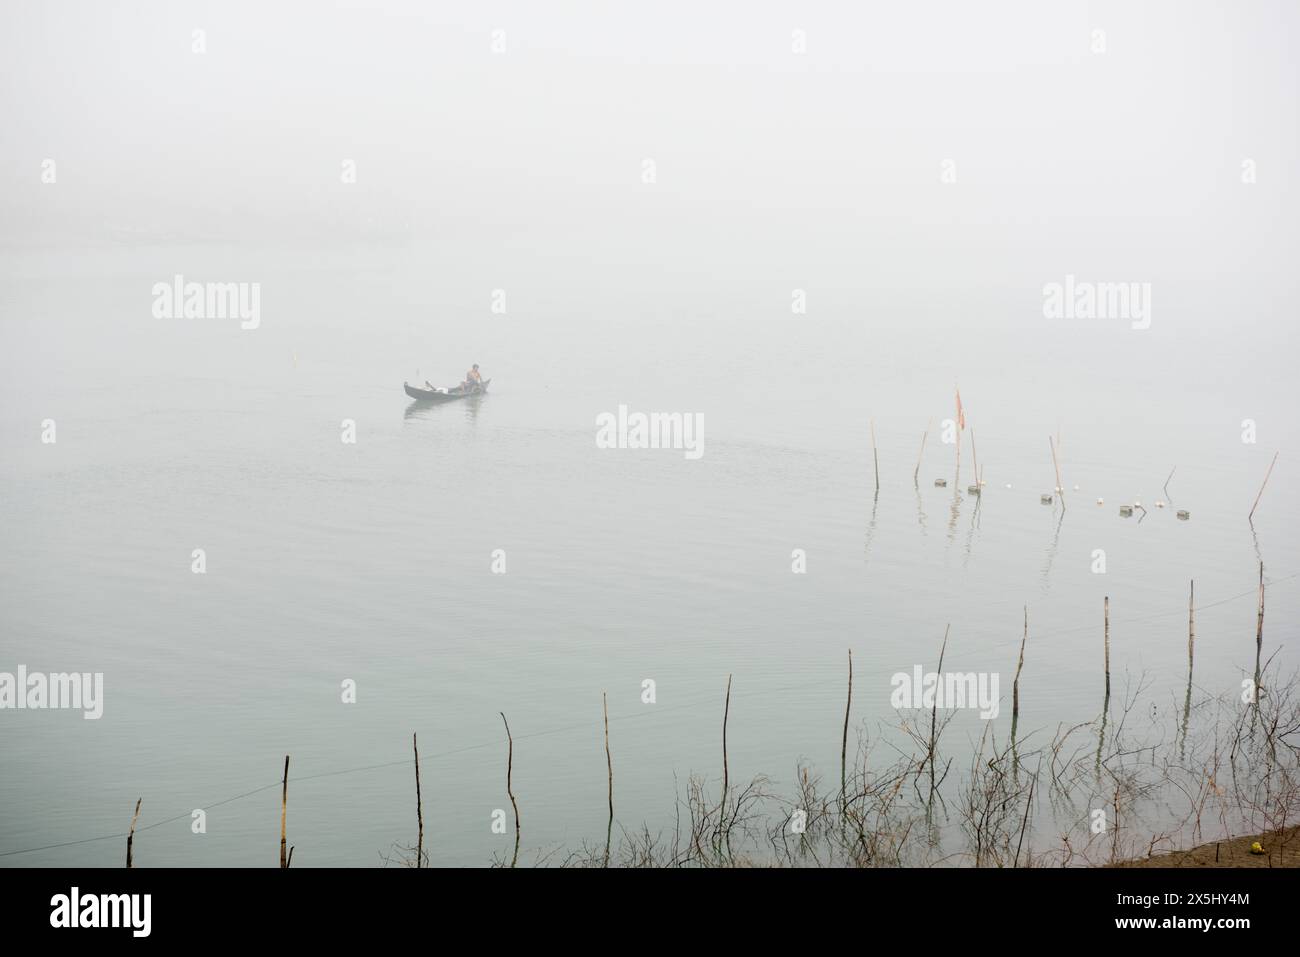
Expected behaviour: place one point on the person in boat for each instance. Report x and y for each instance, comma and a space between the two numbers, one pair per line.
473, 380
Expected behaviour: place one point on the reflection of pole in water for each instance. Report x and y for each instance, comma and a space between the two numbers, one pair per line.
1052, 549
871, 526
974, 524
956, 501
874, 457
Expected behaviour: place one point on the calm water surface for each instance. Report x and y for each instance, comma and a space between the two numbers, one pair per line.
328, 561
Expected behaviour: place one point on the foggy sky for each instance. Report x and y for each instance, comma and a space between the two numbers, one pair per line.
823, 165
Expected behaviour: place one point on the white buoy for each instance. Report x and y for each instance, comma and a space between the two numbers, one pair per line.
1008, 485
1101, 501
1076, 488
1159, 504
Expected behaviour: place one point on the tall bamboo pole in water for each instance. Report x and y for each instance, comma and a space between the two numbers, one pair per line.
609, 764
510, 767
284, 814
1106, 612
1060, 489
130, 836
419, 803
1191, 644
844, 743
1251, 516
1015, 685
934, 720
1259, 632
726, 711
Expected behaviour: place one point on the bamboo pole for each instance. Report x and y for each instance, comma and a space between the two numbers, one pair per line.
726, 711
284, 813
1259, 632
1015, 685
1024, 823
1106, 608
974, 459
1251, 516
510, 764
609, 764
934, 717
419, 804
1191, 645
844, 743
130, 836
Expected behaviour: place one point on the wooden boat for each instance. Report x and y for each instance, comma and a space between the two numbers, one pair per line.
444, 395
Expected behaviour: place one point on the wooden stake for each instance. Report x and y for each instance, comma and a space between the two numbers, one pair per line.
419, 804
609, 764
284, 813
1015, 685
1024, 823
975, 462
916, 476
844, 744
510, 764
934, 715
1191, 644
726, 711
130, 836
1259, 631
1261, 488
1107, 639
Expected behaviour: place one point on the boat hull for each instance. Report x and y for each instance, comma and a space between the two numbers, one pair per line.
451, 395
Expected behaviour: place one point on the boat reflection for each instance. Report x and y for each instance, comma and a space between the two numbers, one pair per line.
420, 409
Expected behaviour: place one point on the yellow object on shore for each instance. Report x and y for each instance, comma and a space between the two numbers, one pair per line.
1257, 848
